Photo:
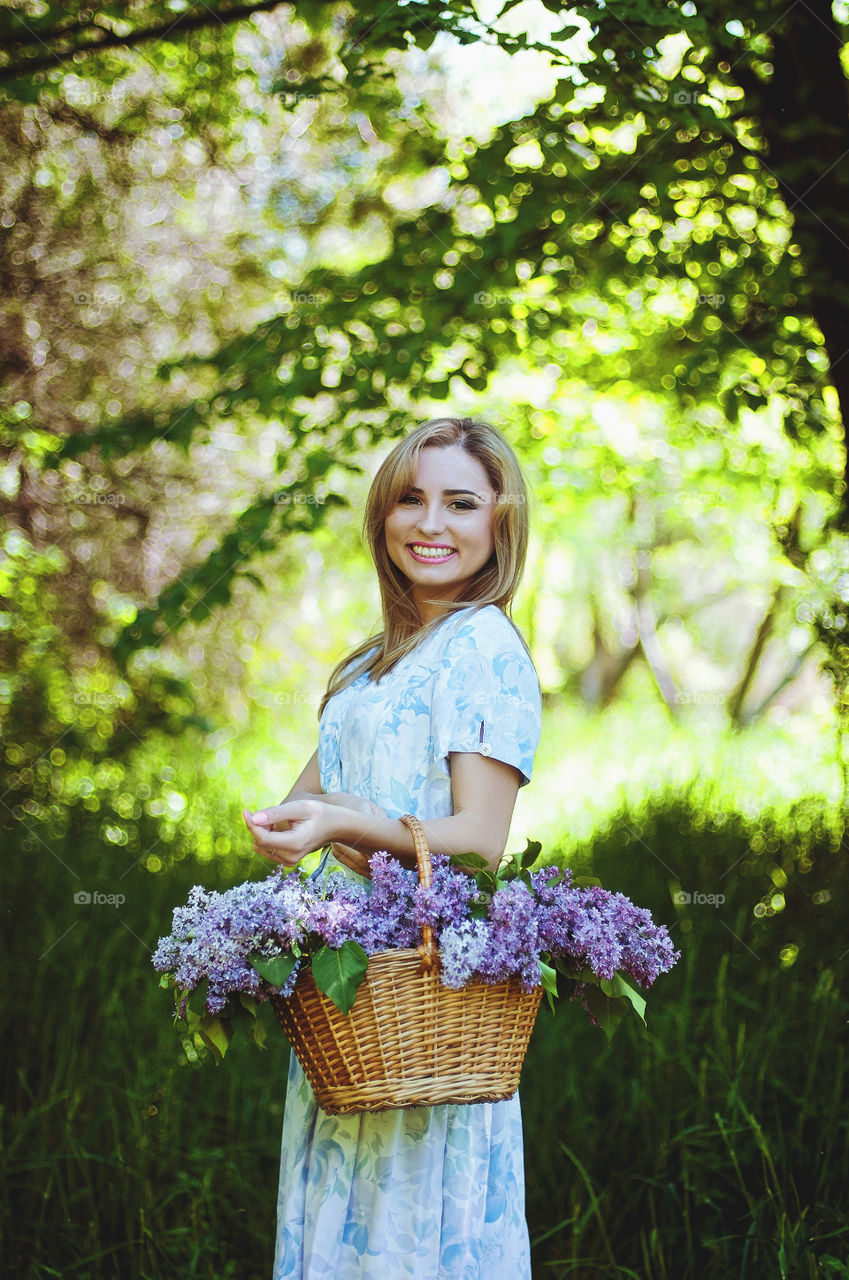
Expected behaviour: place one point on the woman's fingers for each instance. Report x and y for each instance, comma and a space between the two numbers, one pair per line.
304, 825
267, 817
262, 841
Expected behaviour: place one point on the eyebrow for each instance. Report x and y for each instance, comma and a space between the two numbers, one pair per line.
450, 493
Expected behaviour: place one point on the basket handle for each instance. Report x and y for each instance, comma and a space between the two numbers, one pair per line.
427, 950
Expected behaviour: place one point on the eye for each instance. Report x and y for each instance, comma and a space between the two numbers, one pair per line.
407, 499
463, 504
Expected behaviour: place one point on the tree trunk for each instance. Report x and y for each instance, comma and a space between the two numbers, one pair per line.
804, 115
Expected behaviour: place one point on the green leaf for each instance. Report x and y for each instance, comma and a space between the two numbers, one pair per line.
339, 972
508, 869
255, 1029
618, 988
530, 854
566, 966
608, 1012
609, 1000
257, 1033
473, 860
216, 1035
548, 977
276, 970
197, 1000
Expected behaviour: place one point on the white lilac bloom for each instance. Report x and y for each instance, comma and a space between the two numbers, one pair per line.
462, 948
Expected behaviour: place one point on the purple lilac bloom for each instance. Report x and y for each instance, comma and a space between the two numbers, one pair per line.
214, 933
514, 937
391, 904
600, 930
447, 901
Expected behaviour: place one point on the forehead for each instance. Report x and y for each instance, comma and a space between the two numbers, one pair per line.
450, 467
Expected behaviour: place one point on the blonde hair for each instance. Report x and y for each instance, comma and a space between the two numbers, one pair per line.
495, 583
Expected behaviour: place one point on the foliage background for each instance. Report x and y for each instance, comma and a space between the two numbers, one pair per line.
244, 246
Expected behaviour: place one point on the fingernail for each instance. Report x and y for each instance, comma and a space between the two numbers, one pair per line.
260, 817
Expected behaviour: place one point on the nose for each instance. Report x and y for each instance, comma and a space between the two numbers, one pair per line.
431, 519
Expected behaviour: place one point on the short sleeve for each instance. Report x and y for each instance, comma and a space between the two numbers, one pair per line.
486, 695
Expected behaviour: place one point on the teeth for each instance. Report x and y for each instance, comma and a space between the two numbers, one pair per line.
433, 553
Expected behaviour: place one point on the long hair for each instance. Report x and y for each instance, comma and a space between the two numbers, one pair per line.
495, 583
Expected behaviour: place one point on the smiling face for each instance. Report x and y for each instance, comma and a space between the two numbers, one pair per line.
440, 532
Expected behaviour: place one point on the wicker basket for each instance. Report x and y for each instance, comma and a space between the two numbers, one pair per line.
408, 1040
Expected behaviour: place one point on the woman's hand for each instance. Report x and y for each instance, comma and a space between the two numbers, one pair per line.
309, 825
286, 833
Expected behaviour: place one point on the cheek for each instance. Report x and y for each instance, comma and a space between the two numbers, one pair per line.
487, 533
393, 527
394, 537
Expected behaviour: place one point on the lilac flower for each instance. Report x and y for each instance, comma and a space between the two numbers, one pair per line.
215, 933
447, 901
462, 948
543, 916
515, 942
391, 904
336, 920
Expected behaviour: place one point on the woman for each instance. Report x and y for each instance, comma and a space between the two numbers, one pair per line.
438, 716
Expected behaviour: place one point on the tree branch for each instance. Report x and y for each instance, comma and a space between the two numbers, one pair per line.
111, 40
788, 677
647, 629
735, 702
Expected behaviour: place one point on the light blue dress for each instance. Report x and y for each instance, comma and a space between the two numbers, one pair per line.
424, 1193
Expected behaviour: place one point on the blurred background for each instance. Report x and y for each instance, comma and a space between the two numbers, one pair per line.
244, 248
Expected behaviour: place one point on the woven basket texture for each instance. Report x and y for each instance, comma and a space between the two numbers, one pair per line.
409, 1041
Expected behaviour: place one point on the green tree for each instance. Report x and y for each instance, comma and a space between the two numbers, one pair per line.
629, 231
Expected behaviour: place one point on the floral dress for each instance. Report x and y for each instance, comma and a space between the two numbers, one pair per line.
422, 1193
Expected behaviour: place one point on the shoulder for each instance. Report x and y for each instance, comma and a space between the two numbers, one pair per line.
354, 666
483, 647
487, 690
487, 629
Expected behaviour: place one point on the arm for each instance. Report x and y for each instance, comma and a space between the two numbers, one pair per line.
483, 793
